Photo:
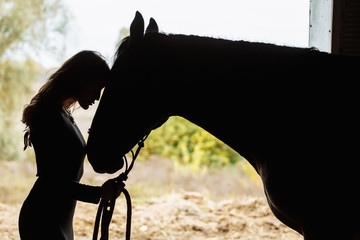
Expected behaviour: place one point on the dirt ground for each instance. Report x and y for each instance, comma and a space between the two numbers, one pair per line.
217, 204
168, 203
186, 215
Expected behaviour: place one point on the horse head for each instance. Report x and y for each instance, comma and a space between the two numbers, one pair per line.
128, 109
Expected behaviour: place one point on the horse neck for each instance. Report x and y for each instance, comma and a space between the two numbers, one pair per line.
211, 82
190, 55
199, 73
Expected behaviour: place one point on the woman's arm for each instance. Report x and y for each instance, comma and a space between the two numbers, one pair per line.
91, 194
81, 192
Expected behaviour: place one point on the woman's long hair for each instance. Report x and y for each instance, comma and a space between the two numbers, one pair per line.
58, 92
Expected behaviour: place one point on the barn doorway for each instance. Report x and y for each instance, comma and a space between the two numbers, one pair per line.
335, 26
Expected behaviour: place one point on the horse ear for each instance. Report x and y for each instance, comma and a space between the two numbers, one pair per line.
137, 28
152, 27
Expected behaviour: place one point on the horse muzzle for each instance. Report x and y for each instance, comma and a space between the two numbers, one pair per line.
104, 158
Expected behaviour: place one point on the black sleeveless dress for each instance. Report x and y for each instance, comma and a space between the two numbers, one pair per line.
47, 212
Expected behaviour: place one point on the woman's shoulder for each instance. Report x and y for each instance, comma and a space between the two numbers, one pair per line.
46, 116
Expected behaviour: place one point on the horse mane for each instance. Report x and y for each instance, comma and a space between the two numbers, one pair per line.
221, 52
200, 45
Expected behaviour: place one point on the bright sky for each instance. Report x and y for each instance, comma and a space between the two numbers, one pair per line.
96, 23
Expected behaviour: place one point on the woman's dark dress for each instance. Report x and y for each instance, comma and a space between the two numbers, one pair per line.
47, 212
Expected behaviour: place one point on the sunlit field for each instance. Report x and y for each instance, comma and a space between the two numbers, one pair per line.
186, 184
168, 203
170, 200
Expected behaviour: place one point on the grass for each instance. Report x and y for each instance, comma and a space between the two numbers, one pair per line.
154, 177
16, 180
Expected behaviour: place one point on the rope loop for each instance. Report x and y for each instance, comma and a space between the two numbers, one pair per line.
106, 208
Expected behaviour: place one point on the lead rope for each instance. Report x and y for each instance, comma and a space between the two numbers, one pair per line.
106, 208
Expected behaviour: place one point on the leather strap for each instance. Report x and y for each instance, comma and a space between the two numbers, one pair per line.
106, 208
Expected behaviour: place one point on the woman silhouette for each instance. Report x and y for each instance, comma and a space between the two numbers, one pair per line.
47, 212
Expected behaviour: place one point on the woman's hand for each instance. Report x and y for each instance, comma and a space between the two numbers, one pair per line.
111, 189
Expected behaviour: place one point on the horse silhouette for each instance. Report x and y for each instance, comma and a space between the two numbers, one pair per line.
291, 112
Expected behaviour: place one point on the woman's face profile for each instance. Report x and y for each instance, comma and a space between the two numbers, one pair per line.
90, 92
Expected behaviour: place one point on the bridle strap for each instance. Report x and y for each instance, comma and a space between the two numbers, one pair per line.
106, 208
129, 212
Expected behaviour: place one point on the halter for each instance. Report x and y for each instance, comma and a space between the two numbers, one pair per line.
106, 208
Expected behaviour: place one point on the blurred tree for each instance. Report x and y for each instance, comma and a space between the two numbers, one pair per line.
189, 145
30, 24
23, 25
